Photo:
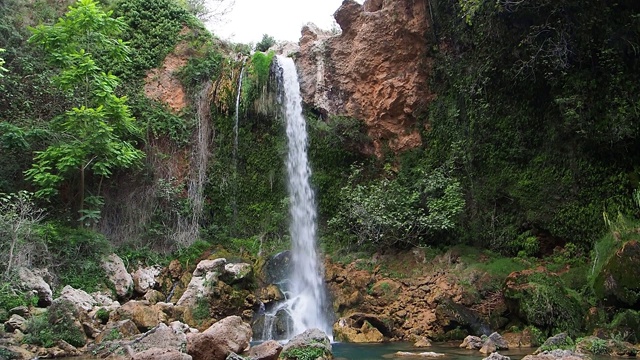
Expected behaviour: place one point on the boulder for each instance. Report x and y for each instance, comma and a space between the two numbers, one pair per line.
496, 356
118, 275
15, 322
472, 343
312, 340
143, 314
207, 271
270, 293
488, 347
145, 279
20, 310
161, 354
161, 337
277, 268
428, 354
518, 339
268, 350
555, 355
33, 281
499, 341
122, 329
347, 330
154, 296
80, 298
228, 335
616, 283
422, 342
236, 273
558, 341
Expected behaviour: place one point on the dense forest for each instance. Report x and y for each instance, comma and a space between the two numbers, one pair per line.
530, 151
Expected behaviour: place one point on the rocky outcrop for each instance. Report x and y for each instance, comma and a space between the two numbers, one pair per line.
617, 281
312, 340
362, 328
145, 279
118, 276
79, 298
268, 350
229, 335
206, 271
34, 281
375, 70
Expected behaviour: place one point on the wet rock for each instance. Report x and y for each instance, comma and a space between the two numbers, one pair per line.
428, 354
270, 293
488, 347
161, 354
472, 343
558, 341
499, 341
422, 342
33, 281
118, 275
277, 268
268, 350
310, 339
555, 355
228, 335
496, 356
145, 279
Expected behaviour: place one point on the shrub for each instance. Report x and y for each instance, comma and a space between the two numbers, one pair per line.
306, 353
266, 42
58, 323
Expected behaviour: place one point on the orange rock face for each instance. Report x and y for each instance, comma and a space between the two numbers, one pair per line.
162, 83
375, 70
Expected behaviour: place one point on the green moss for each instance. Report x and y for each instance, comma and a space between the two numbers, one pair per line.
305, 353
616, 279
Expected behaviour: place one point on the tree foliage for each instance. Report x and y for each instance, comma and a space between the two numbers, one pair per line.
92, 138
266, 42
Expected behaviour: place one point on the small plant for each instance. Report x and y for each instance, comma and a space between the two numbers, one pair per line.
56, 324
114, 334
201, 310
306, 353
599, 347
103, 315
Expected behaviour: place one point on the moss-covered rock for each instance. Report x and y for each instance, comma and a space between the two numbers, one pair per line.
539, 298
617, 281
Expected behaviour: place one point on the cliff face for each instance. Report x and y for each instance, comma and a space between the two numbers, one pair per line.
375, 70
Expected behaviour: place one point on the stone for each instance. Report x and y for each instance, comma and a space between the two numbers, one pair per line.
560, 340
80, 298
145, 279
496, 356
472, 342
15, 322
234, 356
270, 293
347, 330
268, 350
616, 283
143, 314
33, 281
499, 341
422, 342
429, 354
161, 354
20, 310
518, 339
376, 70
235, 273
154, 296
161, 336
312, 338
488, 347
118, 275
228, 335
207, 271
123, 329
555, 355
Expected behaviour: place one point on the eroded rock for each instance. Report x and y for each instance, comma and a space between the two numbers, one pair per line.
228, 335
312, 338
268, 350
34, 281
118, 275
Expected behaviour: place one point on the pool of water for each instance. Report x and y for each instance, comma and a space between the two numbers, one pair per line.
347, 351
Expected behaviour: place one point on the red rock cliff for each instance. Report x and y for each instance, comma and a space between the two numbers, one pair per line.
375, 70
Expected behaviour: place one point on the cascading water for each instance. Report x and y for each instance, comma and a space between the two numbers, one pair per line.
237, 117
306, 300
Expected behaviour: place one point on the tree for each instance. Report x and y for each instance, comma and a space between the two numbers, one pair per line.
2, 69
210, 10
266, 42
18, 217
93, 138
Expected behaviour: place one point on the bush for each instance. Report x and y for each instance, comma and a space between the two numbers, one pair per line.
58, 323
266, 42
306, 353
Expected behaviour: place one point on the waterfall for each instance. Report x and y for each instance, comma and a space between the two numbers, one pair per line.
237, 117
307, 294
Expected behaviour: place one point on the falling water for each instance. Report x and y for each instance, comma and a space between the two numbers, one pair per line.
237, 116
307, 294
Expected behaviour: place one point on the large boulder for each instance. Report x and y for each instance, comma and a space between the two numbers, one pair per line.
472, 342
145, 279
313, 342
237, 273
539, 298
118, 275
33, 281
15, 322
229, 335
143, 314
161, 354
206, 272
616, 283
162, 336
79, 298
268, 350
348, 330
376, 70
123, 329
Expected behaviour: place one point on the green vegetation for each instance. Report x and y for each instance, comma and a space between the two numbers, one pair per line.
56, 324
306, 353
265, 43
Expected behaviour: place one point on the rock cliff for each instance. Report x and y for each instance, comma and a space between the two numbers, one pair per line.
375, 70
